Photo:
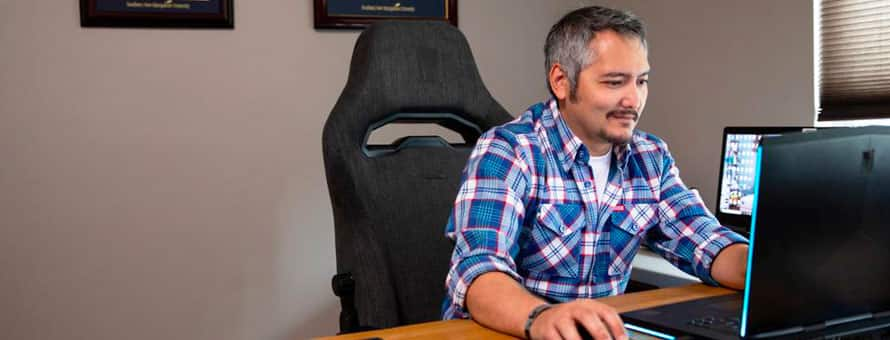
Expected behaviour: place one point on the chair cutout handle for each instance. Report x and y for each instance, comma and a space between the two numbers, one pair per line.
467, 130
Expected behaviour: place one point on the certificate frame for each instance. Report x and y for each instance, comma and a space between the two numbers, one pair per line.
157, 13
358, 14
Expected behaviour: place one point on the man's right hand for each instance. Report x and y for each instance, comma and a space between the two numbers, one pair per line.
498, 302
563, 320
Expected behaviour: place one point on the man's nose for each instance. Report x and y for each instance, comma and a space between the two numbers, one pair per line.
631, 98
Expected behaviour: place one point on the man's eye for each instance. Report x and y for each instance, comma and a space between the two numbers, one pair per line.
613, 83
643, 81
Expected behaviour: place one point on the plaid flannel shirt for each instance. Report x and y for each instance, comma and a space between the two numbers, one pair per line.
528, 207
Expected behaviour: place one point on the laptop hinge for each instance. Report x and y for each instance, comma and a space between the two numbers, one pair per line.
813, 328
834, 322
857, 331
883, 314
780, 332
860, 317
853, 318
823, 325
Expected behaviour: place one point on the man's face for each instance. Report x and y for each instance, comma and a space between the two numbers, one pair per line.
611, 92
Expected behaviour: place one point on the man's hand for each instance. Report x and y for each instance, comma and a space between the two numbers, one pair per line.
498, 302
563, 320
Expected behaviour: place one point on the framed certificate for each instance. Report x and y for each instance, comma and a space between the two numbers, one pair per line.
157, 13
361, 13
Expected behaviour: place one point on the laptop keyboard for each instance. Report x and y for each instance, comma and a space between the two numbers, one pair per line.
716, 323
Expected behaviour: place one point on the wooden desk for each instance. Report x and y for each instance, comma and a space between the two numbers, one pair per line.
467, 329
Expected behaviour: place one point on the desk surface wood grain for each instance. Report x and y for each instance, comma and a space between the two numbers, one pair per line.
468, 329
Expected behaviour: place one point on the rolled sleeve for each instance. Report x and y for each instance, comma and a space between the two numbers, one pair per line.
464, 272
486, 218
707, 251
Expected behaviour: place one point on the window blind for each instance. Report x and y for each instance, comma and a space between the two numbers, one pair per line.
854, 60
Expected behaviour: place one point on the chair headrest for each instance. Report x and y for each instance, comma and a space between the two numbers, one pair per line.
413, 67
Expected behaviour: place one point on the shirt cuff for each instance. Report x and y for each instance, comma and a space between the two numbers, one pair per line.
708, 251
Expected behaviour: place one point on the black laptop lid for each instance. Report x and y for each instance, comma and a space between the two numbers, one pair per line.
819, 257
735, 188
821, 237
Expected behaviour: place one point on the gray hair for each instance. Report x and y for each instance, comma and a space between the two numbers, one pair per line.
568, 40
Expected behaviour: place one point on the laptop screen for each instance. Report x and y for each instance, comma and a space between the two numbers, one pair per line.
738, 157
737, 184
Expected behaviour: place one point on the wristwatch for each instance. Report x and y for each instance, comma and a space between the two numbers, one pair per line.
534, 315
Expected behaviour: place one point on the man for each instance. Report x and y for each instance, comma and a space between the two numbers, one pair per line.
555, 204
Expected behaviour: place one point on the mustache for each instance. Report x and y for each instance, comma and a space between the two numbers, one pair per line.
616, 113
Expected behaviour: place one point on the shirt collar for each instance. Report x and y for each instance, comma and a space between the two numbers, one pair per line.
571, 148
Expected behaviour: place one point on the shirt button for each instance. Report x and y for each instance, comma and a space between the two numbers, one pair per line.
587, 184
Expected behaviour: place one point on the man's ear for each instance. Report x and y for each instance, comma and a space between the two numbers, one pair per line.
559, 82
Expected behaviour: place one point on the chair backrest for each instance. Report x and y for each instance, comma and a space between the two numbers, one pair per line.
391, 204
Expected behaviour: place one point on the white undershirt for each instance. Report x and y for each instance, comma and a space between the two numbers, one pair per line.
600, 166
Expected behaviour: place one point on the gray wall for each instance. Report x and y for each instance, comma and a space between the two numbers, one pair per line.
168, 183
724, 63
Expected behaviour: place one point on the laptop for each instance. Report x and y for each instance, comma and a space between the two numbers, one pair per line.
735, 189
819, 259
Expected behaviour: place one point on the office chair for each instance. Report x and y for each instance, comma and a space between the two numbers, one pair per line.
391, 202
